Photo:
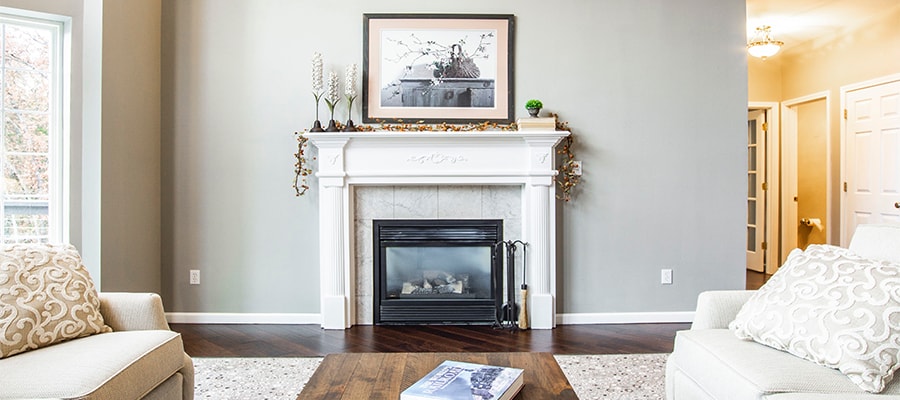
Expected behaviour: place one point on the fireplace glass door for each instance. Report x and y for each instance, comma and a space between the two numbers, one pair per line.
436, 271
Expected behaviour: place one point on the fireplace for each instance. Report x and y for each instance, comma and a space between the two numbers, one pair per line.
436, 271
381, 158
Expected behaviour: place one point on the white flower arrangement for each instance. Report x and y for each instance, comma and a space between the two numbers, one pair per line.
317, 83
317, 79
331, 95
350, 82
350, 92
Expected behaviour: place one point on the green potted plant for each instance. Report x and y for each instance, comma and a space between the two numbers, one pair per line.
534, 107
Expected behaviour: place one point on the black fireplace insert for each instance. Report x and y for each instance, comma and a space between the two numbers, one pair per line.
436, 271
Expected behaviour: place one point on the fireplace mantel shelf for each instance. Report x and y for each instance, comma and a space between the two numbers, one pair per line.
387, 158
437, 134
424, 158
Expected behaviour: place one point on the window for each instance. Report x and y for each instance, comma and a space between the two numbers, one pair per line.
31, 155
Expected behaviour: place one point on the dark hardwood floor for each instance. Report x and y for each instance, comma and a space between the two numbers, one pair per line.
311, 340
756, 279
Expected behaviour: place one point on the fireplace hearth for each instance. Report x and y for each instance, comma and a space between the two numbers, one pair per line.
436, 271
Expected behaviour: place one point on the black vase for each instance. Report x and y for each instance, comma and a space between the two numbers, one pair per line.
349, 127
332, 127
533, 111
317, 127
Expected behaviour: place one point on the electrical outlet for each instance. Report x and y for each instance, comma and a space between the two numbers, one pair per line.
576, 167
665, 276
195, 277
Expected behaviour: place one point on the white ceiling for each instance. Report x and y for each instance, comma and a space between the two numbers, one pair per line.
798, 21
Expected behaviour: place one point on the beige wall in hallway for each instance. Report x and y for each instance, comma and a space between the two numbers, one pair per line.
811, 171
764, 79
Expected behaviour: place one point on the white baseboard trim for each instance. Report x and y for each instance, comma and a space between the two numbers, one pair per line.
316, 319
625, 318
243, 318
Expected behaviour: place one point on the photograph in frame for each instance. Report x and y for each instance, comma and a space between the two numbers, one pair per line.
433, 68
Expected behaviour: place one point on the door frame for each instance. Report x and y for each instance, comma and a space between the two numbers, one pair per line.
845, 240
789, 150
773, 134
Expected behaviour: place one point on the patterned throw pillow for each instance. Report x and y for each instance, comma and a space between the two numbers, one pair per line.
833, 307
46, 297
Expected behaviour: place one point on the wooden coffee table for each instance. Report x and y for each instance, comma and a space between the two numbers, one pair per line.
384, 375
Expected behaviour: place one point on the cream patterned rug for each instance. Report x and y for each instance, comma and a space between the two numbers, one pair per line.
624, 376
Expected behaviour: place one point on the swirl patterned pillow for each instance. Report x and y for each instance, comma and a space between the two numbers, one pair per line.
46, 297
833, 307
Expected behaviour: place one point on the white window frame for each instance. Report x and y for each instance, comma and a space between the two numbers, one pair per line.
59, 126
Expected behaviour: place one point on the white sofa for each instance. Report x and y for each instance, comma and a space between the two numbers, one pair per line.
710, 362
140, 359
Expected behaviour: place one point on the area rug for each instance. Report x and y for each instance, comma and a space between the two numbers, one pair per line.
625, 376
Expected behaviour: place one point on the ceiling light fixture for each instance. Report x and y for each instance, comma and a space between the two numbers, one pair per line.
762, 45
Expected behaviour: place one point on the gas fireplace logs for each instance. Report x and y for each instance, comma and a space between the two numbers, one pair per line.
436, 282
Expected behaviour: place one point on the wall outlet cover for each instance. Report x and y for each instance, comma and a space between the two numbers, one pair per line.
666, 276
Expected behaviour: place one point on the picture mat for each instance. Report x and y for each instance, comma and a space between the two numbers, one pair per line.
375, 56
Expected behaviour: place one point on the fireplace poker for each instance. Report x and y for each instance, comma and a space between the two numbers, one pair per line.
523, 310
506, 314
509, 310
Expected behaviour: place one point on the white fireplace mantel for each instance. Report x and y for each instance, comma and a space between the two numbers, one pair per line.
523, 158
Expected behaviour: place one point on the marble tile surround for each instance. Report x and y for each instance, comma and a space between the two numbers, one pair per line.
424, 202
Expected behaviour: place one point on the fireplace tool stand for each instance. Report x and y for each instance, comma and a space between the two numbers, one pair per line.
510, 315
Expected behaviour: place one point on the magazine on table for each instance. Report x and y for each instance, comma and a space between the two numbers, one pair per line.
455, 380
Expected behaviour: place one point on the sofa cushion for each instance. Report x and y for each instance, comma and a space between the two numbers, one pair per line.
830, 396
117, 365
878, 241
46, 297
833, 307
727, 367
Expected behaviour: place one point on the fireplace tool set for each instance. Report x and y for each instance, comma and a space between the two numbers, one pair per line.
512, 316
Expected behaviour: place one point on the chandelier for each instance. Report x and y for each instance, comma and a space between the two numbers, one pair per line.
762, 45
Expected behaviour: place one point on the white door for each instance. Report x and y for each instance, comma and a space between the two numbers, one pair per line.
756, 198
872, 157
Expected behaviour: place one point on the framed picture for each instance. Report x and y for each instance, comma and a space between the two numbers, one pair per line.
454, 68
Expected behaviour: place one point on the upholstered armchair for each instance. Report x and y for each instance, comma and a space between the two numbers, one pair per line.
59, 339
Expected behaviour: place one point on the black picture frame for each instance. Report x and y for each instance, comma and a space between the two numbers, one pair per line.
433, 68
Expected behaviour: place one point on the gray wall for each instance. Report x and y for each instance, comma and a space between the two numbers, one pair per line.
659, 126
130, 145
655, 91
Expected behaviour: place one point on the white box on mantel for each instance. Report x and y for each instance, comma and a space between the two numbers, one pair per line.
544, 123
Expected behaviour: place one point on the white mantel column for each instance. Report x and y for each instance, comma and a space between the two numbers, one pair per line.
540, 212
334, 266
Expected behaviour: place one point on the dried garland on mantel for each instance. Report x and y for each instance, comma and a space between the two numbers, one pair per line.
566, 179
301, 167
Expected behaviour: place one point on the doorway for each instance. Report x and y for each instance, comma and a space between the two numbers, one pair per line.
756, 187
812, 177
762, 186
806, 202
